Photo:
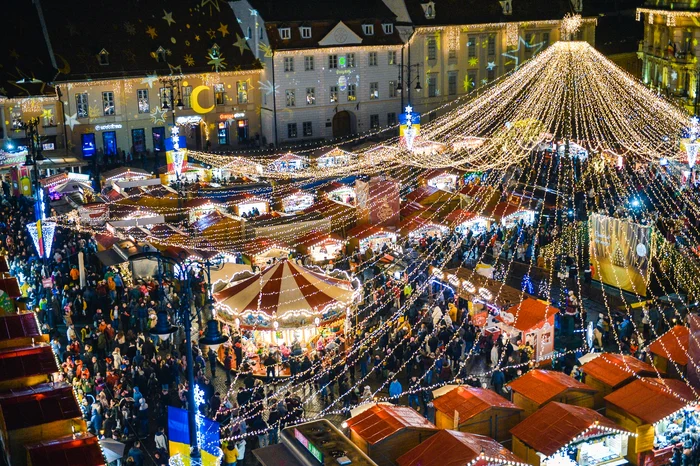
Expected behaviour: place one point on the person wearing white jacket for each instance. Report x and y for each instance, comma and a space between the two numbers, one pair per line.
240, 446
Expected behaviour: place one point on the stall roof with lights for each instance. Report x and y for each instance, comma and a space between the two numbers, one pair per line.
673, 345
37, 405
542, 385
67, 451
18, 326
382, 421
27, 361
529, 314
616, 369
651, 399
470, 401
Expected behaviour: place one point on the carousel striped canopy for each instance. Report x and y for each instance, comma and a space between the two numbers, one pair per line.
285, 290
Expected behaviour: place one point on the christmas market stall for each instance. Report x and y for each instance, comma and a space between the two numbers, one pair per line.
320, 247
609, 371
530, 322
342, 216
538, 387
476, 410
198, 208
421, 226
452, 448
19, 330
384, 432
296, 201
26, 366
261, 252
511, 213
341, 193
288, 163
248, 205
445, 180
564, 435
669, 352
661, 412
220, 230
71, 450
334, 157
462, 221
124, 174
365, 237
285, 304
428, 196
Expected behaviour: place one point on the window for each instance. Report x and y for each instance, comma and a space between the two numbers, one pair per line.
308, 63
491, 47
288, 64
471, 46
48, 115
545, 40
374, 121
368, 29
310, 96
452, 83
391, 55
334, 94
471, 78
161, 55
291, 130
391, 119
17, 117
261, 34
529, 39
285, 33
186, 96
108, 103
392, 89
490, 75
103, 57
220, 94
452, 53
373, 91
332, 62
307, 129
432, 85
388, 28
352, 90
142, 97
350, 60
81, 103
432, 48
373, 59
242, 88
305, 32
291, 99
248, 34
165, 96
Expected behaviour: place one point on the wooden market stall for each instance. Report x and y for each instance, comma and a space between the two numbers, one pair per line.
198, 208
532, 323
296, 201
20, 330
462, 221
339, 192
609, 371
509, 213
452, 448
429, 195
124, 174
659, 412
343, 216
538, 387
261, 252
43, 412
26, 366
220, 230
320, 247
288, 163
422, 225
476, 410
79, 450
246, 205
441, 178
385, 432
669, 352
372, 237
561, 434
334, 157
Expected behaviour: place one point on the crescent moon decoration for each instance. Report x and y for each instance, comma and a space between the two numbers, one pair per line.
65, 68
194, 100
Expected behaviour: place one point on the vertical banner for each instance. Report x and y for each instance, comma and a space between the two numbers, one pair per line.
620, 252
179, 437
176, 152
81, 267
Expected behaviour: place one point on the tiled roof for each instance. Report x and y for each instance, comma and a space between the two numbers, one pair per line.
550, 428
320, 10
320, 29
616, 369
530, 313
471, 401
382, 421
650, 399
541, 385
673, 345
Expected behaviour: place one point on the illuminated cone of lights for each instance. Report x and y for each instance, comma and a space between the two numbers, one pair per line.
691, 149
42, 234
409, 135
178, 161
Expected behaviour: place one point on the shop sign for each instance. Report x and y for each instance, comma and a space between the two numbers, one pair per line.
108, 127
231, 116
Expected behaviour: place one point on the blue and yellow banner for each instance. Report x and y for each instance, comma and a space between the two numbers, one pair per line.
179, 437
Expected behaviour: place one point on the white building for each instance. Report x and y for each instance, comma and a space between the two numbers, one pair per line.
328, 73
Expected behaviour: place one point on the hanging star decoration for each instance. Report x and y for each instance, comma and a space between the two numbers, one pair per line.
223, 29
168, 17
196, 38
189, 61
150, 79
674, 75
47, 113
266, 49
241, 43
253, 12
151, 31
212, 33
515, 54
177, 68
473, 61
268, 88
491, 65
216, 60
214, 3
71, 120
468, 84
484, 81
129, 28
94, 111
158, 115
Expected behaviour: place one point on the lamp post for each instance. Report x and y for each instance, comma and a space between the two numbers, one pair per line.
183, 272
408, 81
172, 84
31, 131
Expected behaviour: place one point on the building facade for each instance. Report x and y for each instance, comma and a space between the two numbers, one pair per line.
327, 74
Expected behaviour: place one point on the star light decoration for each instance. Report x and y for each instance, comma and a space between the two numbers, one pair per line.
223, 29
268, 87
158, 115
515, 54
71, 120
266, 49
168, 17
151, 31
216, 60
150, 79
241, 43
491, 65
409, 133
189, 61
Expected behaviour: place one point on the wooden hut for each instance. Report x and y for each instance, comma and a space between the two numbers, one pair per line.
669, 352
17, 330
611, 371
83, 450
476, 410
385, 432
538, 387
563, 434
452, 448
646, 407
27, 366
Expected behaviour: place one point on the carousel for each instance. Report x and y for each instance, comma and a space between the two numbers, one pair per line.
285, 308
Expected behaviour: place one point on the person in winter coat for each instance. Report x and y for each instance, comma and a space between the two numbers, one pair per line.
161, 440
240, 446
395, 390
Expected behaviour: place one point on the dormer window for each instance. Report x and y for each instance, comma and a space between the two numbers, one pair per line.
368, 29
160, 55
388, 28
285, 33
305, 32
429, 9
507, 6
103, 57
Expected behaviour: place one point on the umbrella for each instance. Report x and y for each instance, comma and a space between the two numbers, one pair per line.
113, 449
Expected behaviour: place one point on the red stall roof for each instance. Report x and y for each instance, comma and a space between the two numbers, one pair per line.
382, 421
452, 448
615, 369
37, 405
541, 385
530, 313
673, 345
313, 238
10, 285
19, 326
651, 399
470, 401
4, 267
553, 426
67, 451
25, 362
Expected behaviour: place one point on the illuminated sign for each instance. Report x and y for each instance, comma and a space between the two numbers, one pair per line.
108, 127
48, 146
308, 445
231, 116
188, 120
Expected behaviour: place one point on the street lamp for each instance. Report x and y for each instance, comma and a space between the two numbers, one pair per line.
172, 83
409, 80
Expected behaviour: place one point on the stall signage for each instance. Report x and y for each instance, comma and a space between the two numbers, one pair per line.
108, 127
231, 116
308, 445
